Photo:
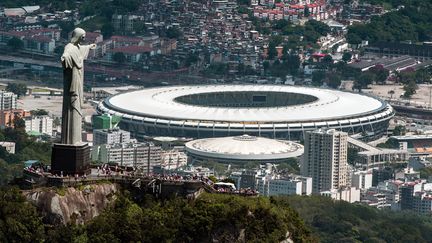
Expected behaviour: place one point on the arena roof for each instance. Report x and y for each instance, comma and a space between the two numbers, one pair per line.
162, 103
244, 147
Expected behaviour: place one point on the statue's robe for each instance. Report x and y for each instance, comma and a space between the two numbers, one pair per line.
73, 75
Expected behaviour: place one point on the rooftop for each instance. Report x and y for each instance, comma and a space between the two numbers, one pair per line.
244, 147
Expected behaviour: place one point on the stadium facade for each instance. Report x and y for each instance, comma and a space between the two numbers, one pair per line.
273, 111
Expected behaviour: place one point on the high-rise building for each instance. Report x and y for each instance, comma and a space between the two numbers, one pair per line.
325, 159
39, 124
110, 136
143, 156
8, 100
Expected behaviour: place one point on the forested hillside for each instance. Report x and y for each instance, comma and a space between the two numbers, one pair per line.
332, 221
221, 218
408, 20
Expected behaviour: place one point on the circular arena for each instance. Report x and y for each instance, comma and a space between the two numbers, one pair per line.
242, 149
274, 111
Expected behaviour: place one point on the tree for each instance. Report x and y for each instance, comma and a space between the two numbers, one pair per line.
306, 11
17, 88
119, 57
353, 39
15, 43
39, 112
346, 57
66, 27
363, 80
19, 124
281, 24
352, 155
391, 93
328, 60
291, 62
399, 130
334, 81
266, 65
410, 89
423, 75
173, 33
272, 53
318, 26
191, 58
139, 27
107, 30
318, 77
380, 74
19, 221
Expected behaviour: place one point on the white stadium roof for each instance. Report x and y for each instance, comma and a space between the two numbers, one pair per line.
244, 147
160, 103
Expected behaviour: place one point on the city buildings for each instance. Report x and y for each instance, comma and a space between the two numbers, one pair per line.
272, 185
349, 194
8, 117
110, 136
104, 121
142, 156
325, 159
8, 101
39, 125
362, 180
371, 156
173, 159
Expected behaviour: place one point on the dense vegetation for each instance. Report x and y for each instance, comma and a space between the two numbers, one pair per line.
222, 218
26, 148
413, 23
211, 217
19, 221
332, 221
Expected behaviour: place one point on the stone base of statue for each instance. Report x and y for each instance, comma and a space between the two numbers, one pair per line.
70, 159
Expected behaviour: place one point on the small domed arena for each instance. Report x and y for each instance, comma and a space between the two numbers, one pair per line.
272, 111
242, 149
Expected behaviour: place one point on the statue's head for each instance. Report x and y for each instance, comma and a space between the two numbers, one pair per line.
78, 35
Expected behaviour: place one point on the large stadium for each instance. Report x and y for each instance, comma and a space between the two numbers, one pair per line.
274, 111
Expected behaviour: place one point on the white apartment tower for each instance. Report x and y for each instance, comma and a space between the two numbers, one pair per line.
110, 136
8, 100
39, 124
325, 159
143, 156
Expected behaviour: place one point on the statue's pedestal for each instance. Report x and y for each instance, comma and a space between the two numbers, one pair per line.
70, 159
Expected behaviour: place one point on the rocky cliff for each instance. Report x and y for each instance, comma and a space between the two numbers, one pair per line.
64, 205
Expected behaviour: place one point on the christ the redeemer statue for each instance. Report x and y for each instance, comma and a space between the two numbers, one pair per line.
73, 74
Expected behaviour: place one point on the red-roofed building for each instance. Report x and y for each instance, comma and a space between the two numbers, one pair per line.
40, 40
120, 41
97, 38
93, 37
132, 53
38, 43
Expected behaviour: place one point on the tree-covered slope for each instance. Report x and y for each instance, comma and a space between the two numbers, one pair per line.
340, 221
412, 22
